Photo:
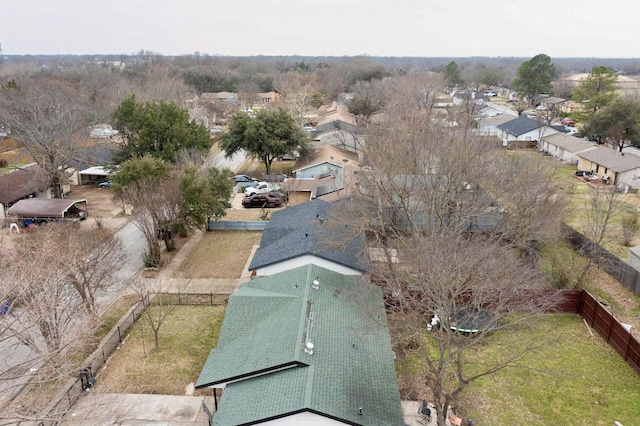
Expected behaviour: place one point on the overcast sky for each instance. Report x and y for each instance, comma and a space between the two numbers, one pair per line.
426, 28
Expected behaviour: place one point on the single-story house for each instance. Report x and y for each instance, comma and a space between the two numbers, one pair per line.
324, 160
335, 117
94, 175
308, 346
25, 182
300, 235
488, 125
523, 128
42, 209
621, 168
565, 147
552, 102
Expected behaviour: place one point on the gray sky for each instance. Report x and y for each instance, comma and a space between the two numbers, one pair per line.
426, 28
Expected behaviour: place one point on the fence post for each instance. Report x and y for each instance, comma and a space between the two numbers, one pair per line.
211, 298
119, 335
104, 358
133, 314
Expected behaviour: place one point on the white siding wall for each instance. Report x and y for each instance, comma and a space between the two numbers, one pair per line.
303, 419
305, 260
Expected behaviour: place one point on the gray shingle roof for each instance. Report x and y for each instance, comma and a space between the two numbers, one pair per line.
568, 142
305, 229
519, 126
612, 159
265, 328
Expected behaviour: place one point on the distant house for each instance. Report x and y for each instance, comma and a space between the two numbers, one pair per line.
552, 102
323, 160
308, 346
301, 235
488, 125
620, 168
26, 182
565, 147
335, 117
102, 131
523, 128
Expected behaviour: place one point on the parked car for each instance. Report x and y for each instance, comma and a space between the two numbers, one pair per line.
541, 108
259, 188
106, 184
261, 200
280, 194
568, 122
490, 93
77, 213
243, 178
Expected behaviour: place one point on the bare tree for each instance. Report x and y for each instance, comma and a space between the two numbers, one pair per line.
158, 307
157, 206
50, 120
458, 224
601, 206
296, 91
91, 258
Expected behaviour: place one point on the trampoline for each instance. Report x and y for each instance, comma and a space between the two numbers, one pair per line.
469, 319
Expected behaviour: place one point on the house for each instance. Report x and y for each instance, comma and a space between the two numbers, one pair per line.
620, 169
90, 164
552, 102
522, 128
334, 185
300, 235
324, 160
308, 346
335, 117
488, 125
25, 182
565, 147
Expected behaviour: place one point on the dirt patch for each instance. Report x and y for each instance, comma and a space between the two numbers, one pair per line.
100, 202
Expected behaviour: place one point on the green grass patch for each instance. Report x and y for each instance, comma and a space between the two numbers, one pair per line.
186, 338
574, 378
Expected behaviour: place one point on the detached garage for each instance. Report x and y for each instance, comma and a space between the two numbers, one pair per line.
41, 210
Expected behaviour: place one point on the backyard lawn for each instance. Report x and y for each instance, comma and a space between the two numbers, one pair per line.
219, 254
575, 379
186, 339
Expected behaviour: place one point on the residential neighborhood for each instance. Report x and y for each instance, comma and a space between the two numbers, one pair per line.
413, 248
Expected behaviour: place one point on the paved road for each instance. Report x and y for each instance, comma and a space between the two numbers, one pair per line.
233, 163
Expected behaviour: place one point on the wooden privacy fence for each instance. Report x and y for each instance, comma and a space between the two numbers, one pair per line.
596, 315
619, 337
614, 266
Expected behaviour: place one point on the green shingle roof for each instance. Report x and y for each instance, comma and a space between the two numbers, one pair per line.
260, 354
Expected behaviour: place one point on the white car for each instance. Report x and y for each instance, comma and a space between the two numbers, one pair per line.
259, 188
490, 93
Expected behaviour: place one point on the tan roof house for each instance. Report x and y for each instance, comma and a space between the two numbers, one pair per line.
565, 147
620, 168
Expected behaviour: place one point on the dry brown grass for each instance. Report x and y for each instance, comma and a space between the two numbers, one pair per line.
186, 338
219, 254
